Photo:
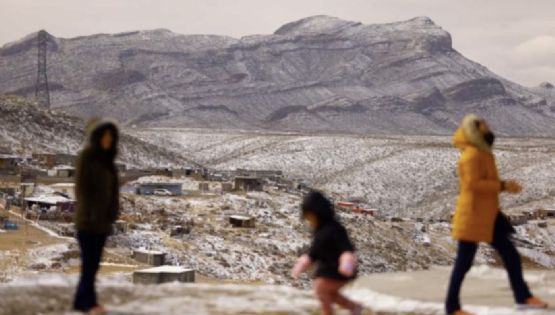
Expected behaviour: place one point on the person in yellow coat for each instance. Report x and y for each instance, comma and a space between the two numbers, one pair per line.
478, 218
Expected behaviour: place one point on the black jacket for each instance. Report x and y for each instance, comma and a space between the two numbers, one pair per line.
96, 182
330, 241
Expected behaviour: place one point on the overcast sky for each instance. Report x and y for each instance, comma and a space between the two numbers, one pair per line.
515, 38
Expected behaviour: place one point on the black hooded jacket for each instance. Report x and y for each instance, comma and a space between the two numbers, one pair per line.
330, 238
96, 182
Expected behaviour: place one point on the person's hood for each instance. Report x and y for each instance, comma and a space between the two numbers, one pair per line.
95, 129
468, 135
321, 206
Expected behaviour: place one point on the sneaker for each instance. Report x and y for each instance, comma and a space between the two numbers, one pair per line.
357, 310
461, 312
532, 303
97, 310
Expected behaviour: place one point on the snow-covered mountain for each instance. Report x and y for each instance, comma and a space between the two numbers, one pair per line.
318, 73
27, 128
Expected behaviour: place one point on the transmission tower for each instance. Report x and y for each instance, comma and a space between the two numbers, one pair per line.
42, 92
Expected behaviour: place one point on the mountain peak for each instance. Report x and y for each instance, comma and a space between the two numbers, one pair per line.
327, 24
422, 20
314, 24
546, 85
28, 42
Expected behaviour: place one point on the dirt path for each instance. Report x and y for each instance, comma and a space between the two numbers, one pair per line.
26, 237
16, 245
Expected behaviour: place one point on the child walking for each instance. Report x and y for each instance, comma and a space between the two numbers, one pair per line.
478, 219
331, 251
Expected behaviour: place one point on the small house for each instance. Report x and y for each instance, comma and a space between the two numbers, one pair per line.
532, 215
49, 160
203, 186
4, 150
182, 172
128, 189
220, 175
245, 183
547, 213
518, 218
227, 187
166, 189
121, 167
64, 171
8, 191
370, 212
8, 163
268, 174
163, 274
150, 257
66, 189
31, 175
160, 172
133, 174
27, 189
242, 221
49, 203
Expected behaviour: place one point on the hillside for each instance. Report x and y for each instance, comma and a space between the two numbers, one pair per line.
26, 128
318, 73
401, 175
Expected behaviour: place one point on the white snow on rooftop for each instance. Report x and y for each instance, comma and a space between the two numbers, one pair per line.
53, 200
165, 269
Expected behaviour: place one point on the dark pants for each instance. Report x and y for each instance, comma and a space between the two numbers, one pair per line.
91, 245
465, 256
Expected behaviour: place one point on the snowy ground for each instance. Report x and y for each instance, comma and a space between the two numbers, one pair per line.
403, 175
486, 292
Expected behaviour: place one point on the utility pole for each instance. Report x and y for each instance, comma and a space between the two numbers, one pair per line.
42, 92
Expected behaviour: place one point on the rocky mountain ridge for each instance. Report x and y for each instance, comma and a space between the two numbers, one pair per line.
316, 74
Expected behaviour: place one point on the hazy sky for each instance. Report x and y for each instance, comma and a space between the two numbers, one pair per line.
515, 38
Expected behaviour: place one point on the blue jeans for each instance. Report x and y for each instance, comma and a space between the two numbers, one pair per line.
465, 256
91, 245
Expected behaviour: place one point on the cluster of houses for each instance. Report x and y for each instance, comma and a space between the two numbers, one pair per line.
229, 180
523, 217
518, 218
57, 172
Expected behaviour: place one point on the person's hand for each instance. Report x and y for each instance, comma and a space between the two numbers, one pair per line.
301, 266
512, 187
347, 264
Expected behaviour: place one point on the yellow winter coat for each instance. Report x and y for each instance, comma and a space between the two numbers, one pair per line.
478, 203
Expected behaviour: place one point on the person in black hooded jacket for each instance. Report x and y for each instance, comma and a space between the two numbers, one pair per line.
97, 194
333, 253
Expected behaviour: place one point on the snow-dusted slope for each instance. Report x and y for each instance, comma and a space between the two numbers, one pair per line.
318, 73
409, 176
26, 128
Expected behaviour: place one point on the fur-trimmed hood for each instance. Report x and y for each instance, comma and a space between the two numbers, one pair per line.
95, 130
469, 134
